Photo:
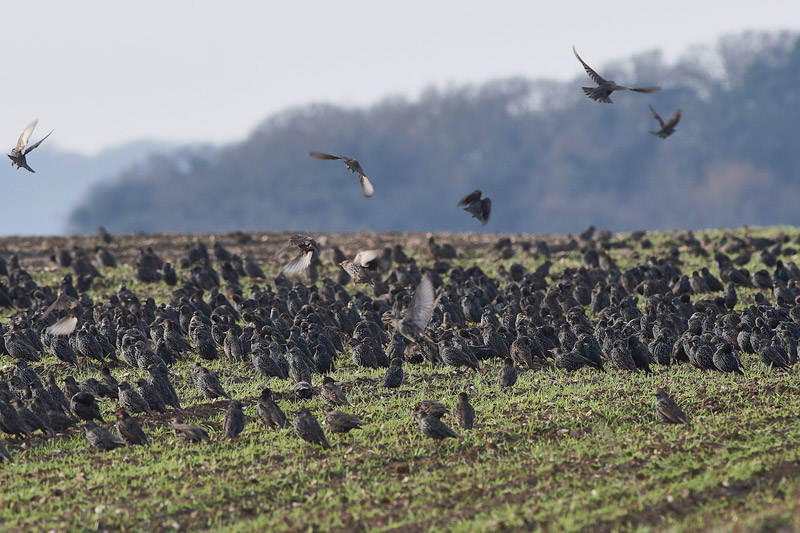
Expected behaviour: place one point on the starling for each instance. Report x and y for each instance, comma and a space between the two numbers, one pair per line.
100, 438
129, 429
359, 273
433, 427
131, 400
340, 422
508, 374
393, 377
431, 407
308, 250
22, 149
303, 390
11, 422
234, 420
151, 396
606, 87
332, 393
353, 166
307, 428
189, 432
477, 207
67, 324
269, 412
208, 382
83, 404
419, 312
33, 420
668, 128
464, 413
667, 410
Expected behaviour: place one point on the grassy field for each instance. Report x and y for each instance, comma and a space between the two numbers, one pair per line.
558, 451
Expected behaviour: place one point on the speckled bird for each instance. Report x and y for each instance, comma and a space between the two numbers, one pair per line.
307, 428
667, 410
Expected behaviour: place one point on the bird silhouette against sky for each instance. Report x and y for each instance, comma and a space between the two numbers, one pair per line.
606, 87
353, 166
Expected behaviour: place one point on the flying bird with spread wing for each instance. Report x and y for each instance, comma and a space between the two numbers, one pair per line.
606, 87
17, 155
68, 323
352, 165
308, 247
419, 312
476, 206
668, 128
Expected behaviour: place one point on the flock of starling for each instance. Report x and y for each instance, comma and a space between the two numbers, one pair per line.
432, 314
583, 319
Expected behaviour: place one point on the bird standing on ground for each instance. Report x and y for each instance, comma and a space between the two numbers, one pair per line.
189, 432
129, 429
433, 427
269, 412
668, 128
307, 428
234, 420
339, 421
463, 412
477, 207
100, 438
17, 155
668, 410
353, 166
606, 87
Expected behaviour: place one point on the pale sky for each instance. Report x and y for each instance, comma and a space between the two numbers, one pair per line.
104, 73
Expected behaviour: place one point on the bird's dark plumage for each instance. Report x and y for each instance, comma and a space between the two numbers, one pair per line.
476, 206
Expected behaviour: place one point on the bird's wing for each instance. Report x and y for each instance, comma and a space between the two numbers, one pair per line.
474, 196
644, 89
298, 264
670, 410
657, 117
597, 78
365, 256
37, 143
320, 155
486, 210
25, 137
65, 326
421, 308
366, 187
674, 119
64, 301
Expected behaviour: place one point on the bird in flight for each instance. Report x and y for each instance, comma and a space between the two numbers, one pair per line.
353, 166
419, 312
477, 207
606, 87
67, 324
668, 128
308, 247
22, 149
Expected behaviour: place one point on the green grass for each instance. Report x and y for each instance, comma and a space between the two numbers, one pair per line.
559, 451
